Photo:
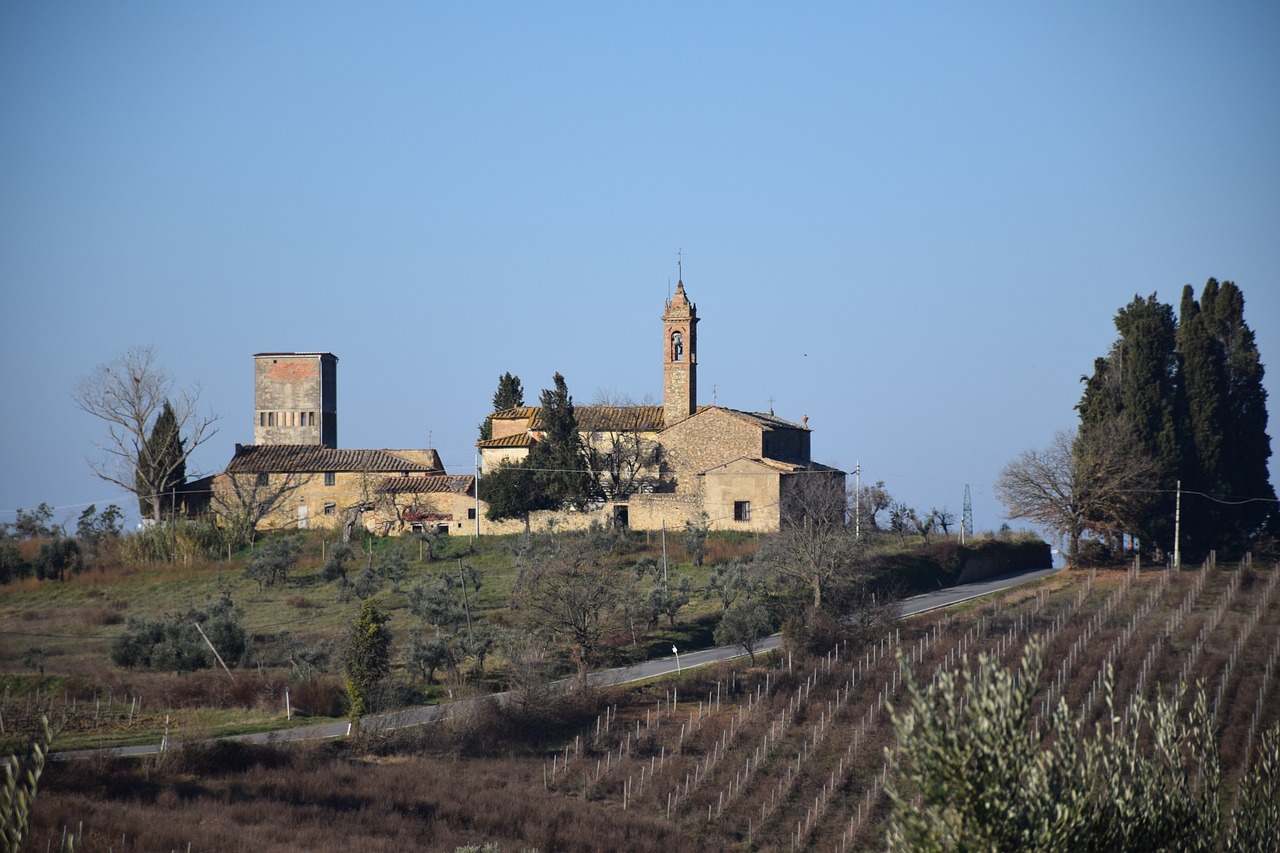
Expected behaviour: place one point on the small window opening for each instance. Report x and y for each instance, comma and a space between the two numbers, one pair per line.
742, 510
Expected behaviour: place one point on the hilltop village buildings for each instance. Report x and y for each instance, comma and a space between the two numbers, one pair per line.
666, 464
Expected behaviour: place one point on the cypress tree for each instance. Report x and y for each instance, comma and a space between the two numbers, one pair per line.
559, 456
1132, 394
1189, 396
1246, 447
162, 466
509, 395
1202, 379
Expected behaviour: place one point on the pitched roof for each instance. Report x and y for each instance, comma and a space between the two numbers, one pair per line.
628, 418
520, 439
519, 413
591, 418
766, 420
760, 420
776, 465
307, 458
459, 484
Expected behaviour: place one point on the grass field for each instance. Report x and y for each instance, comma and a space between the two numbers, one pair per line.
788, 754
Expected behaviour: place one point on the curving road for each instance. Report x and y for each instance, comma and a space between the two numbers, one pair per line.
621, 675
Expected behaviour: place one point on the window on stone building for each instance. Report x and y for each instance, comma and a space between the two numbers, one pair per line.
471, 513
330, 508
742, 510
677, 346
262, 418
271, 418
263, 480
330, 478
311, 418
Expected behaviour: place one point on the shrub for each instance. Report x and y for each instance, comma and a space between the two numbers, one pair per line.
58, 556
270, 563
1093, 554
178, 540
173, 642
335, 565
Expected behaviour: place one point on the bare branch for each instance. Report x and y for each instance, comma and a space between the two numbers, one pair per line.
128, 394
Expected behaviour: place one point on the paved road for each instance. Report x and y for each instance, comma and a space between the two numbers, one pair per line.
622, 675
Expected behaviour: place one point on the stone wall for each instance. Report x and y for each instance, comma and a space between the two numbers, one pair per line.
710, 438
294, 399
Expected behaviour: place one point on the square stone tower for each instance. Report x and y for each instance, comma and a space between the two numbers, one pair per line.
295, 398
680, 357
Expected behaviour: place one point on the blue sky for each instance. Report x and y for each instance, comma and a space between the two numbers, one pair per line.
912, 223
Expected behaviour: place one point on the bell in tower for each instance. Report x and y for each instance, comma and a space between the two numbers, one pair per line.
680, 357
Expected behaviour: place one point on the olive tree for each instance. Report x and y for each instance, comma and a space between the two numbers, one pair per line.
972, 771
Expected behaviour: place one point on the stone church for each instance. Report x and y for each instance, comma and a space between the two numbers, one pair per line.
678, 462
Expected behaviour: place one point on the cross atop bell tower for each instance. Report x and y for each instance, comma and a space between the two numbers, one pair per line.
680, 357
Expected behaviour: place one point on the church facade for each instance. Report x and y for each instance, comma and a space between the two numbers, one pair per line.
679, 462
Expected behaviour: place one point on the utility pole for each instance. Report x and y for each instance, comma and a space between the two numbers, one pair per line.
666, 586
857, 499
205, 637
1177, 529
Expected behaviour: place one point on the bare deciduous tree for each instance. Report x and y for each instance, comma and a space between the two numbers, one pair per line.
813, 544
399, 502
623, 457
1040, 486
1071, 486
568, 593
243, 501
128, 393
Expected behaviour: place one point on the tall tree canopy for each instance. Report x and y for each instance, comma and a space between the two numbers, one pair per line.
559, 457
509, 395
161, 463
1187, 395
1227, 446
1132, 394
555, 475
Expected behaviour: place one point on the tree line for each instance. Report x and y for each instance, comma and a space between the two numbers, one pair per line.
1172, 438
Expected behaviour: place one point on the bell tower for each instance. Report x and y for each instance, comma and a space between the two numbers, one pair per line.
680, 357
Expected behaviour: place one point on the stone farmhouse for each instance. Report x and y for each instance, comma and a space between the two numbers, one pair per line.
678, 462
660, 465
295, 476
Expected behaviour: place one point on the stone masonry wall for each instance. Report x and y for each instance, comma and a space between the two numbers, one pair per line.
708, 439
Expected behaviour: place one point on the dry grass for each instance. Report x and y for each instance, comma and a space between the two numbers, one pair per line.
791, 751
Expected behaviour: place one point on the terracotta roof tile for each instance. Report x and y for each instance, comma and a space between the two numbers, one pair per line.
310, 458
592, 418
458, 484
628, 418
520, 439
